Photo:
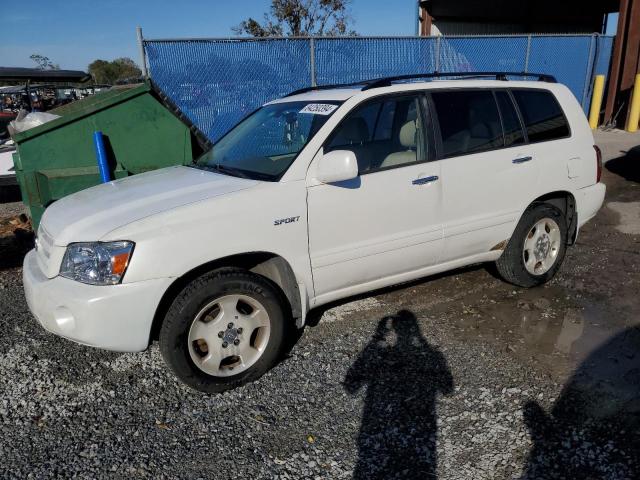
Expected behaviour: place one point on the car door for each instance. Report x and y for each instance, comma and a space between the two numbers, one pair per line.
386, 223
489, 172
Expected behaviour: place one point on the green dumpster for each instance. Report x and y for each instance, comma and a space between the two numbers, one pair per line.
142, 129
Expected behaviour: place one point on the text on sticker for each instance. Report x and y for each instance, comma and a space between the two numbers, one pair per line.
319, 108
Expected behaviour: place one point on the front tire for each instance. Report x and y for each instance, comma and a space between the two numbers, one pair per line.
537, 247
224, 329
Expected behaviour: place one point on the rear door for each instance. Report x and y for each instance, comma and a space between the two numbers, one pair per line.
489, 172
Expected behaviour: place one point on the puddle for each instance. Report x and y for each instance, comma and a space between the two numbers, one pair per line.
629, 213
557, 330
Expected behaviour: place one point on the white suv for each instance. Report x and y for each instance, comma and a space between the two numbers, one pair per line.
314, 197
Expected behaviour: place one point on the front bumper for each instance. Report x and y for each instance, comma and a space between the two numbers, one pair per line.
116, 317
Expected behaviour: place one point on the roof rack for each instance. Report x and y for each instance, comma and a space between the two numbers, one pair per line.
388, 81
325, 87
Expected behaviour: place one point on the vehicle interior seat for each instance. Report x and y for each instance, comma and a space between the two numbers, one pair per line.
407, 140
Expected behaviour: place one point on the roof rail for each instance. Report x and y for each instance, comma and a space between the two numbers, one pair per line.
388, 81
324, 87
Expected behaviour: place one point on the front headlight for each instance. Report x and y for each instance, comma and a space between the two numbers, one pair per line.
96, 263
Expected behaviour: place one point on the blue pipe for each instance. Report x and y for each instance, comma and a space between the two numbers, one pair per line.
101, 155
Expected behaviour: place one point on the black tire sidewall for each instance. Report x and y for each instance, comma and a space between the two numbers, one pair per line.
534, 214
194, 297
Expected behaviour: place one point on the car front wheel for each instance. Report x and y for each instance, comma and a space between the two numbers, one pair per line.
224, 329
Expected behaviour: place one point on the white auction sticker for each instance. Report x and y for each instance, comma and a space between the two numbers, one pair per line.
319, 108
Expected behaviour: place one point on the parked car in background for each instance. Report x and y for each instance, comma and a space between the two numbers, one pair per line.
315, 197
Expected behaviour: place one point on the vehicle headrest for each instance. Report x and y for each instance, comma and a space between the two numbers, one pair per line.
408, 134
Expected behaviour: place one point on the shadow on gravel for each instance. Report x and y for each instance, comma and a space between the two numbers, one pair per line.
10, 194
626, 166
593, 430
14, 247
403, 375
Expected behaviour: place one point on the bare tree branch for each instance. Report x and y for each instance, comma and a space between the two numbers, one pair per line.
300, 18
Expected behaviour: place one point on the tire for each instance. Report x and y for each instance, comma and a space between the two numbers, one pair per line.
252, 332
518, 265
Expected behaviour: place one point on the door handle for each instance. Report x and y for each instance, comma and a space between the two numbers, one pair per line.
521, 159
423, 180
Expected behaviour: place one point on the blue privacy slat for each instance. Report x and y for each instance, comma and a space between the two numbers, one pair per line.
218, 82
347, 60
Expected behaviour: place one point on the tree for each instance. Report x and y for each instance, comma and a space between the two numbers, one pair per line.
43, 63
300, 18
107, 72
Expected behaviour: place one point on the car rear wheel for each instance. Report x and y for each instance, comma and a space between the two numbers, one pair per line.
224, 329
537, 247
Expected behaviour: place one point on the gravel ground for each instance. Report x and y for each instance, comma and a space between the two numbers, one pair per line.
460, 376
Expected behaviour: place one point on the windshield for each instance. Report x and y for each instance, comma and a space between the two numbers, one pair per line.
265, 144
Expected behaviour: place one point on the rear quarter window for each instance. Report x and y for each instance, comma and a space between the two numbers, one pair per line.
542, 115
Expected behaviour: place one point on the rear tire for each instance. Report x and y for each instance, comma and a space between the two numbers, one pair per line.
537, 247
224, 329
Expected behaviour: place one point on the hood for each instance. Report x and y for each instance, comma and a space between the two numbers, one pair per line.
90, 214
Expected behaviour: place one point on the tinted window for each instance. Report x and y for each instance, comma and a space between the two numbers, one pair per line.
469, 121
513, 134
383, 133
384, 128
542, 116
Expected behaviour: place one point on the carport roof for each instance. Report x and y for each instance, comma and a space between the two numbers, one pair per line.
521, 11
18, 73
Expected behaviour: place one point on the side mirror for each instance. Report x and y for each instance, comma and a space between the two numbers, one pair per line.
337, 166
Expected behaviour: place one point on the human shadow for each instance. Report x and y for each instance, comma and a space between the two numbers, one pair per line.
404, 376
593, 429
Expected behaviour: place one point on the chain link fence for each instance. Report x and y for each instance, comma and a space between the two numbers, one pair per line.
216, 82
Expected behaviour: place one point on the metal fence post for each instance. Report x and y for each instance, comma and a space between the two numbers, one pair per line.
143, 56
526, 58
437, 62
312, 46
591, 62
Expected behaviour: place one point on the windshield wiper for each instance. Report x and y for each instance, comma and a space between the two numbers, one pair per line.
234, 172
237, 172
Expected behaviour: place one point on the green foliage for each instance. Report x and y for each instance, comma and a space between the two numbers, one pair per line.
300, 18
43, 63
105, 72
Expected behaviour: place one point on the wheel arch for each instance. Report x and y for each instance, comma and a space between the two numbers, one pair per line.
266, 264
565, 202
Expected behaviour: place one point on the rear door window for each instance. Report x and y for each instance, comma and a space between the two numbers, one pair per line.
513, 134
543, 118
469, 121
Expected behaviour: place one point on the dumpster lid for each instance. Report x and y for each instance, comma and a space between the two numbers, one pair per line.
81, 108
78, 109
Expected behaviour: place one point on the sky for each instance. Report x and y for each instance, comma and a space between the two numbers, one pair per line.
73, 33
